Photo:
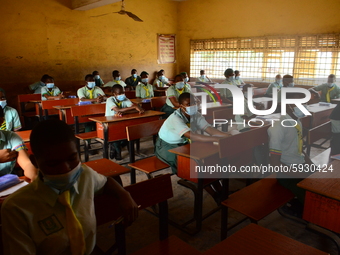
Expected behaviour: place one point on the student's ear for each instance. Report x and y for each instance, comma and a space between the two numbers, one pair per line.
33, 160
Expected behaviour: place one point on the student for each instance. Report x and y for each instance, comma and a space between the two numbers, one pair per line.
116, 80
287, 81
50, 91
328, 90
12, 150
186, 80
277, 84
226, 95
238, 80
99, 82
133, 80
55, 213
36, 87
91, 92
285, 144
144, 89
117, 105
173, 93
181, 126
335, 122
11, 120
203, 77
161, 81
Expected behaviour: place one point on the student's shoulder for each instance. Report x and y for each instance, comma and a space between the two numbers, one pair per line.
21, 196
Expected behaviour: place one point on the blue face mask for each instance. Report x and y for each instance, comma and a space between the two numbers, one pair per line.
237, 78
180, 85
291, 84
117, 78
186, 79
121, 97
298, 113
97, 77
330, 85
191, 110
202, 76
145, 80
3, 104
279, 81
231, 78
65, 181
91, 84
134, 75
50, 85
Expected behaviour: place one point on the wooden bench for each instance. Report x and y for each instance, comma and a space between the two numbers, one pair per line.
146, 193
25, 115
256, 240
86, 111
323, 131
260, 198
158, 102
147, 165
47, 105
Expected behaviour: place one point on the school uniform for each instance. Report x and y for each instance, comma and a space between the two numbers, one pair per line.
226, 92
99, 82
172, 91
171, 135
45, 91
200, 79
37, 87
34, 221
11, 121
161, 84
287, 142
90, 93
328, 93
132, 81
144, 91
238, 81
269, 91
10, 140
114, 82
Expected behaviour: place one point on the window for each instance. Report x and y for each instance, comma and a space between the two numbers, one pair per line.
309, 58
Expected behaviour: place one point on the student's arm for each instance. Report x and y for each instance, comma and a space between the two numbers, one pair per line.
48, 97
201, 138
127, 205
215, 132
120, 111
25, 163
226, 100
7, 155
174, 101
138, 91
315, 91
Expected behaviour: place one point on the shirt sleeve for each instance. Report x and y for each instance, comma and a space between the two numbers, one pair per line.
99, 91
16, 142
202, 124
81, 93
179, 126
99, 180
16, 120
151, 90
128, 103
318, 88
56, 91
43, 91
171, 92
138, 88
275, 139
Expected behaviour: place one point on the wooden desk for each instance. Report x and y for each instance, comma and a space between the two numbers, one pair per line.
25, 135
114, 128
160, 92
320, 114
144, 105
38, 108
266, 101
335, 100
211, 107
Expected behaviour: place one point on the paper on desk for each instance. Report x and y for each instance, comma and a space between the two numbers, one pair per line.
337, 157
12, 189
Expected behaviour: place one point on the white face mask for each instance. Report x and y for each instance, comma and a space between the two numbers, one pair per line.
203, 76
191, 110
117, 78
3, 103
330, 85
180, 85
145, 80
91, 84
49, 85
97, 77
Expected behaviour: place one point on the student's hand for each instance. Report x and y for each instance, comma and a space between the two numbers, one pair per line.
100, 99
118, 114
61, 96
129, 208
7, 155
139, 109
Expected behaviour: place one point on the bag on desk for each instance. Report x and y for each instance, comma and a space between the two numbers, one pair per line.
8, 181
84, 102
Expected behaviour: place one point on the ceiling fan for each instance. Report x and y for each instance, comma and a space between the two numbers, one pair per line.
130, 14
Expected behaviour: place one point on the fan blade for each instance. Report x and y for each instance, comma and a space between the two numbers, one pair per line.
131, 15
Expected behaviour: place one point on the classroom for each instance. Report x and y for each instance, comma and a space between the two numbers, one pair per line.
298, 40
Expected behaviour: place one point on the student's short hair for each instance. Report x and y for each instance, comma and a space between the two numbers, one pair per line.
144, 72
229, 71
3, 91
116, 87
237, 71
331, 76
287, 76
45, 77
133, 70
88, 76
50, 133
202, 71
2, 114
115, 72
178, 75
183, 73
186, 96
93, 73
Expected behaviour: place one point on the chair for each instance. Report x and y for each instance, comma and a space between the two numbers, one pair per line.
47, 105
23, 106
225, 114
130, 94
158, 102
147, 165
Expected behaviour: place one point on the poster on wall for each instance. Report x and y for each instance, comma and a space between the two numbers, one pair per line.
166, 49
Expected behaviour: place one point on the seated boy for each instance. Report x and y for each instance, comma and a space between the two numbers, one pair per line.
36, 87
50, 91
329, 90
186, 80
203, 77
182, 127
55, 213
13, 149
144, 89
99, 82
173, 93
91, 92
161, 81
117, 105
238, 80
133, 80
12, 120
226, 94
277, 84
116, 80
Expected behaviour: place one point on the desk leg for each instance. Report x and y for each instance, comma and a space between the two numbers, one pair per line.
132, 160
63, 115
41, 118
106, 139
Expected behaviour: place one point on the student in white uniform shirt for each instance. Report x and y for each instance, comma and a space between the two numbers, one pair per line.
328, 90
91, 92
36, 87
144, 89
277, 84
116, 80
186, 79
37, 219
226, 95
99, 82
161, 81
12, 120
50, 91
238, 80
203, 77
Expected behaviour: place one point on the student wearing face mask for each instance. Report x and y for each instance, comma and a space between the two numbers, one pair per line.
99, 82
50, 91
226, 95
36, 87
133, 80
173, 93
144, 89
161, 81
287, 81
203, 77
91, 92
11, 121
117, 105
55, 214
116, 80
277, 84
186, 80
328, 90
238, 80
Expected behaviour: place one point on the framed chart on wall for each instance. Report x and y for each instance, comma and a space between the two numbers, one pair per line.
166, 48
